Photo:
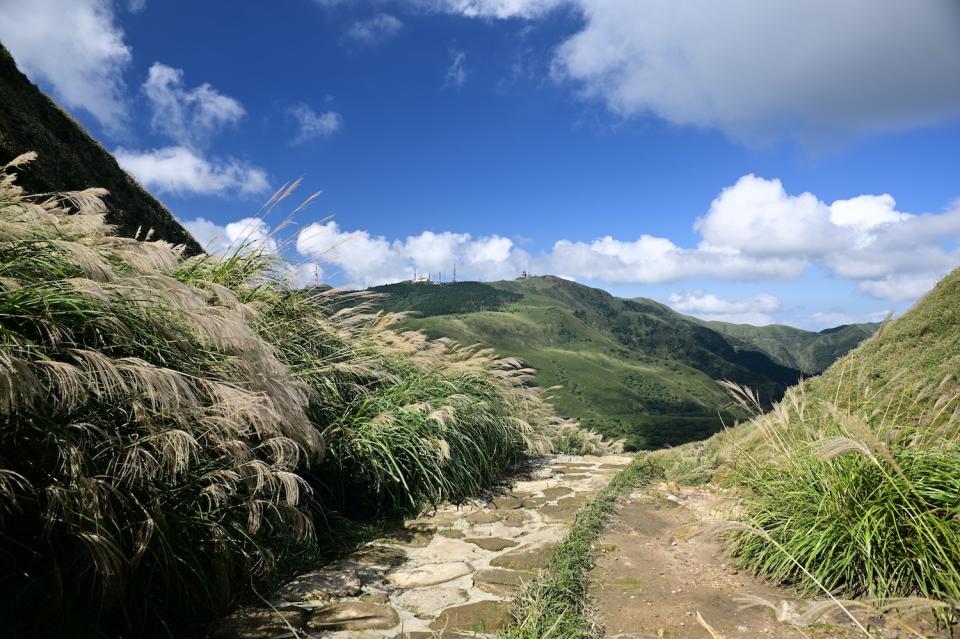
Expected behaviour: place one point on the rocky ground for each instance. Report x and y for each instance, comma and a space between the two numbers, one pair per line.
447, 574
656, 574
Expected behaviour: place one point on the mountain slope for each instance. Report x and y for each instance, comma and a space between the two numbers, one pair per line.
806, 351
628, 368
70, 160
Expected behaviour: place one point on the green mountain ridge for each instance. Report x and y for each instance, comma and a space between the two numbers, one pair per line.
630, 368
807, 351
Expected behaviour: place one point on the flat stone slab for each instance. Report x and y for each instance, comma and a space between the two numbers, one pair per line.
565, 509
494, 544
557, 492
484, 517
322, 584
478, 617
260, 624
380, 556
526, 558
353, 615
411, 538
429, 574
501, 582
507, 502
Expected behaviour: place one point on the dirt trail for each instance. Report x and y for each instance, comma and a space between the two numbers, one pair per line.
448, 574
653, 576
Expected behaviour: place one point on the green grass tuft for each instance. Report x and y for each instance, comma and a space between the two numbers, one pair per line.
553, 606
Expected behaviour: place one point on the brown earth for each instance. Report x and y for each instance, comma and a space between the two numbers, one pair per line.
656, 574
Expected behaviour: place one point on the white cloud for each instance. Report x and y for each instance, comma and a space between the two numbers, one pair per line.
754, 310
457, 71
753, 230
892, 255
501, 9
375, 29
368, 260
189, 117
248, 233
756, 70
306, 274
762, 70
75, 46
179, 170
312, 124
657, 260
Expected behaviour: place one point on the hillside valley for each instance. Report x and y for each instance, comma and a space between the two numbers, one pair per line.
628, 368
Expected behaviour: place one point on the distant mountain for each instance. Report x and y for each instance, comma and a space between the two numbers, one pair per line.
809, 352
628, 368
70, 160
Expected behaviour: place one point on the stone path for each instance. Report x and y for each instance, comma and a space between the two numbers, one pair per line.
654, 576
448, 574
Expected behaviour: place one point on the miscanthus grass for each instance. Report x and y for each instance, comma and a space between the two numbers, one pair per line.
851, 485
173, 430
856, 508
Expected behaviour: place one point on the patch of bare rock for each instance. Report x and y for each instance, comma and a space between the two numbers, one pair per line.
446, 575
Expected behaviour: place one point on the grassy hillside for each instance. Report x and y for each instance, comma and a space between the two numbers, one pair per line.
628, 368
177, 431
70, 160
852, 483
809, 352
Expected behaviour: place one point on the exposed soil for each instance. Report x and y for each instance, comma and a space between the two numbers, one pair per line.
655, 574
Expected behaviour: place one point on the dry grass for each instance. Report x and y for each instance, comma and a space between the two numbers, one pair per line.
171, 429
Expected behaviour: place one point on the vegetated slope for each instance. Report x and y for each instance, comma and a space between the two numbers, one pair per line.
809, 352
854, 479
175, 431
70, 160
628, 368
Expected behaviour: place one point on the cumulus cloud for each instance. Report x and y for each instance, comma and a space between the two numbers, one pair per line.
457, 71
758, 71
178, 170
314, 125
763, 70
189, 117
368, 260
753, 230
893, 255
754, 310
75, 46
374, 30
249, 233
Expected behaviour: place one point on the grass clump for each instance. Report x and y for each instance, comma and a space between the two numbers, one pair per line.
853, 506
176, 431
553, 606
851, 484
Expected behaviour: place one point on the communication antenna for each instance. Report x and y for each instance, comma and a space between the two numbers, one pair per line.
454, 272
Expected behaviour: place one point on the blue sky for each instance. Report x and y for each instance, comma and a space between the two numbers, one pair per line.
584, 138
